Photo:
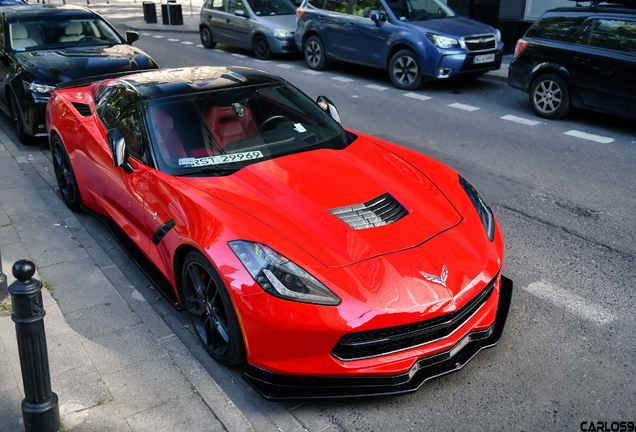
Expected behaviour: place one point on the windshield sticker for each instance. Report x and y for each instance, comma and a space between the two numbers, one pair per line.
299, 128
220, 159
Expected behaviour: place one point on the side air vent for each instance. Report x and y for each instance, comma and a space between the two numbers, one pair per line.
83, 109
382, 210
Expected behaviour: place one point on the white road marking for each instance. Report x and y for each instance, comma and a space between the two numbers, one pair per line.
590, 137
284, 66
570, 301
157, 36
187, 43
521, 120
417, 96
464, 107
342, 79
312, 72
172, 40
376, 87
262, 61
239, 55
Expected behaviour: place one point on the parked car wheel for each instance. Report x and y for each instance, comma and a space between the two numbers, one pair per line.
210, 307
16, 117
315, 55
65, 176
261, 48
404, 70
206, 37
550, 97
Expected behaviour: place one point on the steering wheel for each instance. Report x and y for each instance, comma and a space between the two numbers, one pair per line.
269, 122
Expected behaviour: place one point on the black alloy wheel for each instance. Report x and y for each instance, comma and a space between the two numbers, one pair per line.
315, 55
550, 97
210, 308
261, 48
65, 176
206, 37
404, 70
16, 118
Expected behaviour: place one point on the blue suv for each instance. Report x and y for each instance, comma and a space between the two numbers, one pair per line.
413, 39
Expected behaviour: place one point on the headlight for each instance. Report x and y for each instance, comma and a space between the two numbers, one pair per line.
485, 214
280, 33
279, 276
39, 88
443, 41
498, 35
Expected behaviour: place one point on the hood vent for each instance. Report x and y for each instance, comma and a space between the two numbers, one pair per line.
83, 109
382, 210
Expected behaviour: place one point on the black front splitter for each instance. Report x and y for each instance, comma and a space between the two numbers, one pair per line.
273, 386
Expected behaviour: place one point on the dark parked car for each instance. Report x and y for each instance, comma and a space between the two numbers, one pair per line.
579, 56
266, 26
411, 38
43, 45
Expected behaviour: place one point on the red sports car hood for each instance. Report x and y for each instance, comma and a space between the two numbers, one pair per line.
297, 195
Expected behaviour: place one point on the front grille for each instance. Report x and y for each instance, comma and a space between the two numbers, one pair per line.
382, 210
480, 43
83, 109
373, 343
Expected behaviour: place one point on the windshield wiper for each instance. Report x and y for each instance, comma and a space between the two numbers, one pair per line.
209, 169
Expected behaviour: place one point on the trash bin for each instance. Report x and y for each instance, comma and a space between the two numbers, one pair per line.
171, 13
150, 12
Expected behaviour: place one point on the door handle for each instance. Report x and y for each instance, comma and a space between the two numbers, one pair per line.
581, 60
351, 25
322, 18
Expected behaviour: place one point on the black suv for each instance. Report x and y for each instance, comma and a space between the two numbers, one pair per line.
582, 56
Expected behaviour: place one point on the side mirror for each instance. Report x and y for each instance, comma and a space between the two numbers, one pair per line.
118, 150
131, 36
375, 17
240, 13
324, 103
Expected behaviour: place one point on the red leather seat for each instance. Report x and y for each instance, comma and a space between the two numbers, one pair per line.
169, 143
226, 126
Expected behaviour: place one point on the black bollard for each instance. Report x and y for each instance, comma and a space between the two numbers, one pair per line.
40, 407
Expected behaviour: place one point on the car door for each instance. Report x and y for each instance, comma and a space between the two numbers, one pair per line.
118, 191
214, 14
367, 40
603, 64
236, 30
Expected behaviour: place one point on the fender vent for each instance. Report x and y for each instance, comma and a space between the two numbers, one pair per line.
83, 109
382, 210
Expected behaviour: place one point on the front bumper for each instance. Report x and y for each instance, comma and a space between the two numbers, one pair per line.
273, 386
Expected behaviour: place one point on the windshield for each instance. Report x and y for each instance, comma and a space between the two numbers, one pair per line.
52, 33
223, 130
272, 7
419, 10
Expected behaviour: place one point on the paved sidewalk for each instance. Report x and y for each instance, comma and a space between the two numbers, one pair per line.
115, 364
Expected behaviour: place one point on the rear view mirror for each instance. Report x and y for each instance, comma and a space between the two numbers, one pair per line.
375, 17
131, 36
117, 146
324, 103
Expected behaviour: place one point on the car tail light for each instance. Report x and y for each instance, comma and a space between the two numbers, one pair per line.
521, 45
299, 12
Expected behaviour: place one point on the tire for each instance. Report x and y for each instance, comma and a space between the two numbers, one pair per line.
405, 71
261, 48
18, 123
210, 307
315, 54
550, 96
206, 37
65, 176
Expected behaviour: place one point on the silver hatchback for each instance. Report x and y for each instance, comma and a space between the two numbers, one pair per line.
266, 26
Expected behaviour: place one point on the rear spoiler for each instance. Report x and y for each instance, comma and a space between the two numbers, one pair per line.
83, 82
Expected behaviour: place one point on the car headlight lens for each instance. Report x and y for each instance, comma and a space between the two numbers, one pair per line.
498, 35
279, 276
485, 213
280, 33
40, 88
443, 41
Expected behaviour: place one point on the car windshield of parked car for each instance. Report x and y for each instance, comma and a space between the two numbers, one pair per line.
272, 7
221, 131
419, 10
48, 33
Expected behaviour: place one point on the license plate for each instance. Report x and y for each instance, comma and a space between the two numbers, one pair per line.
484, 58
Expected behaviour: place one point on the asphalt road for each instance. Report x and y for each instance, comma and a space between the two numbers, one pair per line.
564, 194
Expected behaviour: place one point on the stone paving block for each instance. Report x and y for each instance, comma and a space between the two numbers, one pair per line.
79, 284
103, 319
79, 388
181, 415
9, 379
100, 418
124, 349
307, 414
8, 235
4, 219
65, 351
146, 385
11, 410
23, 200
